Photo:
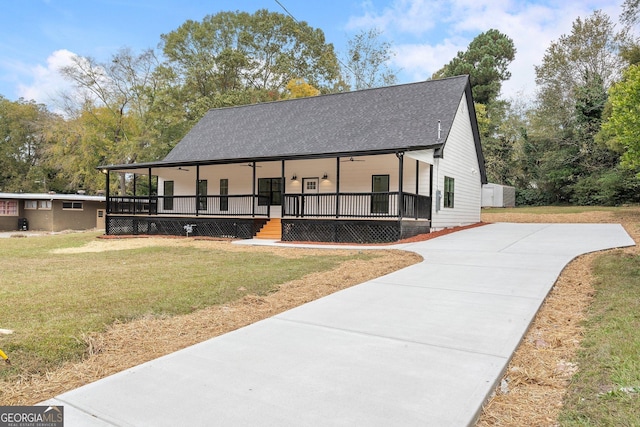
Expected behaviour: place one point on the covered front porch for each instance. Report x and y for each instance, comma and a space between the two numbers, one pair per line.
318, 199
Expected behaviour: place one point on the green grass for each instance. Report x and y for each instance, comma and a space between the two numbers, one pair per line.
606, 389
51, 300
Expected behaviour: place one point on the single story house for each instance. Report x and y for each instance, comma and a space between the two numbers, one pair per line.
375, 165
51, 212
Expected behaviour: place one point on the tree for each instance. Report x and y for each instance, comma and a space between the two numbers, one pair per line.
630, 12
591, 51
24, 132
502, 129
590, 104
116, 119
298, 88
623, 124
367, 61
573, 80
81, 144
486, 61
126, 88
237, 51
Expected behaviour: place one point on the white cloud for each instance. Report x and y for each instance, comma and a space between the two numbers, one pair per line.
414, 17
427, 34
420, 61
46, 81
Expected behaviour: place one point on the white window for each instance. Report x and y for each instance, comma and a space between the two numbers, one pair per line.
8, 208
44, 204
72, 205
31, 204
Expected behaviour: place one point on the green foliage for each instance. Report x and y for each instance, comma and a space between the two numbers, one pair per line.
565, 157
125, 116
589, 53
623, 125
82, 144
630, 12
531, 197
236, 51
631, 53
24, 133
503, 133
611, 188
486, 61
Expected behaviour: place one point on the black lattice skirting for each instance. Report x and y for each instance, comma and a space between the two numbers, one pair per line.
340, 231
234, 228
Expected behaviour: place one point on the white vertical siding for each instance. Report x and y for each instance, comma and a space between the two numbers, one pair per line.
460, 162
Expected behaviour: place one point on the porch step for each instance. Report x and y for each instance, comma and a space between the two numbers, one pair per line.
271, 230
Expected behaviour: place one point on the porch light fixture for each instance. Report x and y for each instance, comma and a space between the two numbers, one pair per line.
294, 177
325, 176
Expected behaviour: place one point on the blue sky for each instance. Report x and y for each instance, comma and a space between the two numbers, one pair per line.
39, 36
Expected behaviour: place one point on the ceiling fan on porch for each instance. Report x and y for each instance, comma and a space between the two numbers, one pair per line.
351, 159
251, 166
180, 168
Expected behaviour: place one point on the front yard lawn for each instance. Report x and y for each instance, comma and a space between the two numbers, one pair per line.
52, 295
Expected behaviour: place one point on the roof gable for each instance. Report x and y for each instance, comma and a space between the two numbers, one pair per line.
384, 119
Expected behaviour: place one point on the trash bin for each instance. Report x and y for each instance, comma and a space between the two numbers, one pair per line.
23, 224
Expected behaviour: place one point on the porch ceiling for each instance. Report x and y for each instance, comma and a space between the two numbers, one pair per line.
143, 168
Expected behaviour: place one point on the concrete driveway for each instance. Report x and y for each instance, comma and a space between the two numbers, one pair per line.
423, 346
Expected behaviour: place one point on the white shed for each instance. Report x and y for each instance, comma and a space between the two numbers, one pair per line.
498, 196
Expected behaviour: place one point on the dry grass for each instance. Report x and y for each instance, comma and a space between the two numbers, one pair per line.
536, 380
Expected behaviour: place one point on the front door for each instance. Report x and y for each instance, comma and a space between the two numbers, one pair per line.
270, 190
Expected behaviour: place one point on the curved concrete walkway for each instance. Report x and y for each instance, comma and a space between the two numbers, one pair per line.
422, 346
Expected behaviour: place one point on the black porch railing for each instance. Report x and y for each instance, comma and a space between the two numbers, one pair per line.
321, 205
416, 206
232, 205
357, 205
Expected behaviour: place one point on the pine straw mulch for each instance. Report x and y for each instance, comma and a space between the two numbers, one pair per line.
532, 389
124, 345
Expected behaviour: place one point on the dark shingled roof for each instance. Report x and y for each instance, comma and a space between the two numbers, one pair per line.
387, 119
